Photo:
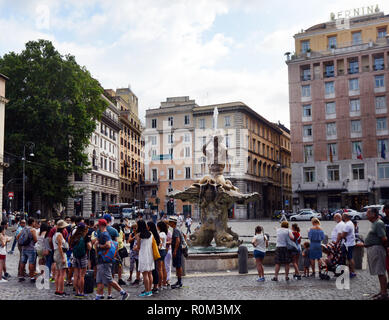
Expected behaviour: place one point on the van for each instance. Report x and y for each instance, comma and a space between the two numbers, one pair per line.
379, 207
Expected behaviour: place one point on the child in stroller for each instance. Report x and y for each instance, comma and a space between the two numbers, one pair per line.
332, 262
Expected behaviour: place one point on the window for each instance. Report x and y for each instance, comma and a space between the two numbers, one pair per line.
170, 138
202, 123
187, 152
306, 73
171, 174
381, 124
155, 175
329, 87
309, 174
354, 105
307, 111
380, 102
353, 67
305, 46
383, 170
356, 126
379, 81
357, 38
186, 120
306, 91
227, 121
330, 108
187, 137
332, 42
353, 84
153, 140
153, 152
154, 123
307, 131
331, 129
154, 193
329, 70
187, 173
358, 171
333, 173
379, 63
171, 153
170, 121
381, 33
308, 152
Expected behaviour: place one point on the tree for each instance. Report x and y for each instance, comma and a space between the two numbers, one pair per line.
55, 103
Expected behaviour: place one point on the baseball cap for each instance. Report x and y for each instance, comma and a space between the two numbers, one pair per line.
102, 222
107, 217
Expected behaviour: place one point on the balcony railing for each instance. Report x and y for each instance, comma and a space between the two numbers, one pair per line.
329, 74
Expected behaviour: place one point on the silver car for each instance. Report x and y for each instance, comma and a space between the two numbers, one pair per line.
305, 215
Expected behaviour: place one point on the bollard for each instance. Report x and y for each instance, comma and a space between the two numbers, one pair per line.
183, 265
243, 255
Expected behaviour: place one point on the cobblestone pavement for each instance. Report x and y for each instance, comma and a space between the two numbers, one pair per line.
216, 286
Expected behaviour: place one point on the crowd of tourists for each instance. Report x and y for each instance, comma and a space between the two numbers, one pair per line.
80, 253
344, 238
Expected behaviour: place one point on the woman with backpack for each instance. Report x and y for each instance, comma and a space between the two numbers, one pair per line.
42, 246
144, 240
60, 247
80, 247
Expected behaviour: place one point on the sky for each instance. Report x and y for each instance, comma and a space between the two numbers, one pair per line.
214, 51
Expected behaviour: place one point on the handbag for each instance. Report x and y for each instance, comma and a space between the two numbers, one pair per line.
123, 253
184, 246
156, 254
290, 244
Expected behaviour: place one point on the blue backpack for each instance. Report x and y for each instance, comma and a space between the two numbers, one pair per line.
109, 255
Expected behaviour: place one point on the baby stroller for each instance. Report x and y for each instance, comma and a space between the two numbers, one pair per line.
334, 261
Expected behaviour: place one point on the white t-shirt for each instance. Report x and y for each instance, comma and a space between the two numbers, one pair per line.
188, 221
261, 242
282, 233
350, 238
162, 236
338, 229
180, 220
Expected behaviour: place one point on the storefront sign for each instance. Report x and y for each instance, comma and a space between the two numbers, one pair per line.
347, 14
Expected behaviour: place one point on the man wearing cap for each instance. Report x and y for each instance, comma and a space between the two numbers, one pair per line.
348, 234
176, 251
104, 269
113, 233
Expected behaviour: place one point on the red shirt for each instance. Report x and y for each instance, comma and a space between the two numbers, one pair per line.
54, 230
297, 236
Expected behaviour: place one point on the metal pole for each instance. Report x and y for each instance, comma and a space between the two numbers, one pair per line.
24, 179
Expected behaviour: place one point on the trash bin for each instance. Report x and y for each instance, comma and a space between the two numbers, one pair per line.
243, 256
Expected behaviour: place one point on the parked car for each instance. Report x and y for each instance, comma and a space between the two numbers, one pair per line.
128, 213
355, 215
305, 215
379, 207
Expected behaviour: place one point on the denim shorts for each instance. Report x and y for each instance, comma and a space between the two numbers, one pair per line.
28, 255
348, 252
259, 254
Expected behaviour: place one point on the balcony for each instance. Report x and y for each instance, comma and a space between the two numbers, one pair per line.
378, 67
353, 70
329, 74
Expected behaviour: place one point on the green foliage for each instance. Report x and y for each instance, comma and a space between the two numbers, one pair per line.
54, 103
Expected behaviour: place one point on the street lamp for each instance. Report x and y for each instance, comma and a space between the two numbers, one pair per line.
280, 166
31, 146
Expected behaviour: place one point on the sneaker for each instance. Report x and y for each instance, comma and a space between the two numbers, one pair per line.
155, 290
176, 285
261, 279
274, 279
99, 298
352, 275
32, 280
122, 283
21, 279
3, 280
7, 275
79, 295
10, 252
136, 281
143, 294
125, 296
110, 298
52, 280
149, 294
64, 294
165, 287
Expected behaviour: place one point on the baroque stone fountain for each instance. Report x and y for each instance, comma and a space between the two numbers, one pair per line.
215, 195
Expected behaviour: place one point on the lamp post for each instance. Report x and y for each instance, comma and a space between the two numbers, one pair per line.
31, 146
280, 166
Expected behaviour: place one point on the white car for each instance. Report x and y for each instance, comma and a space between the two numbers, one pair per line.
305, 215
379, 207
355, 215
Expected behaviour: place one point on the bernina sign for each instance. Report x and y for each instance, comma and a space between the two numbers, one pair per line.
346, 14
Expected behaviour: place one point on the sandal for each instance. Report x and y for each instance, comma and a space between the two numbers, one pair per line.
381, 297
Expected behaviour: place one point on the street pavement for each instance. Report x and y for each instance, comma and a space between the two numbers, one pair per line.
217, 285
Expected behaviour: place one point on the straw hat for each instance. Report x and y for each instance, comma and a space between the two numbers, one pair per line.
61, 224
